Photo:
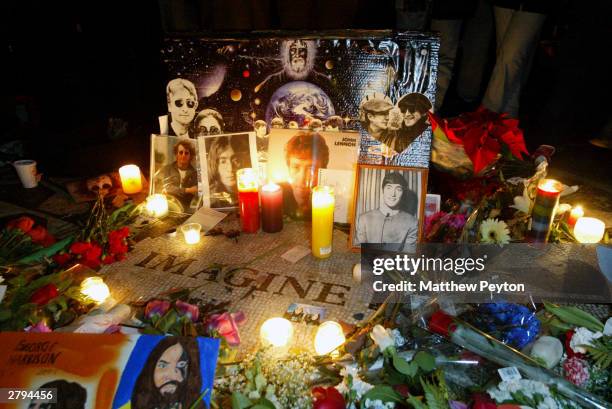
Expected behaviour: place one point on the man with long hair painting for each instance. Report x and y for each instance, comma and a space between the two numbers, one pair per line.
170, 379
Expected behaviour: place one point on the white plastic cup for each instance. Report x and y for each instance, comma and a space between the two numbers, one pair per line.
26, 169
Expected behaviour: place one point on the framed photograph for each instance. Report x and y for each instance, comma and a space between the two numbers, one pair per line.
174, 171
220, 157
297, 158
389, 207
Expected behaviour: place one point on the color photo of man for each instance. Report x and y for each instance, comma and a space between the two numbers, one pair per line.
170, 378
180, 179
305, 153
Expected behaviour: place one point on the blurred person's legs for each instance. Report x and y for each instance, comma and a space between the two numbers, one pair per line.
477, 33
516, 34
450, 32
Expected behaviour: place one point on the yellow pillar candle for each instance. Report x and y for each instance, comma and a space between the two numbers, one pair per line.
589, 230
322, 221
191, 232
157, 205
130, 179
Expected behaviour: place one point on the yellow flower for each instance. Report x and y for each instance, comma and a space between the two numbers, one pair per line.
493, 231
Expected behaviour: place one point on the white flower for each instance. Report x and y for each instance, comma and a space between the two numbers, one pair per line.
608, 327
360, 387
254, 395
382, 337
398, 338
378, 404
582, 336
548, 349
494, 231
522, 203
503, 392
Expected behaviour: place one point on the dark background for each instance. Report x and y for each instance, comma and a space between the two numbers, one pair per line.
83, 82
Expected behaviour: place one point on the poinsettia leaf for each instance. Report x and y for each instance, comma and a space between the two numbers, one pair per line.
515, 143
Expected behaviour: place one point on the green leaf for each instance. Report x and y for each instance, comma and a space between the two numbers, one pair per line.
416, 402
240, 401
4, 314
167, 321
264, 403
409, 369
46, 252
383, 393
426, 362
576, 316
434, 395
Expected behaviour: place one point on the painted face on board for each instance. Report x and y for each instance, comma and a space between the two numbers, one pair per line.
171, 370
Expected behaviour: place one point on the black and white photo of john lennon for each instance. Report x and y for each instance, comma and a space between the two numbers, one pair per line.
387, 208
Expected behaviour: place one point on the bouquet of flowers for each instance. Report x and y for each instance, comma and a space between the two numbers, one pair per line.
23, 237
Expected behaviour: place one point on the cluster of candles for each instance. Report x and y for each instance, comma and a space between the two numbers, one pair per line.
271, 195
586, 229
278, 332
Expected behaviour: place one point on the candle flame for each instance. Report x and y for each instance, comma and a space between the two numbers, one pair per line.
247, 179
549, 185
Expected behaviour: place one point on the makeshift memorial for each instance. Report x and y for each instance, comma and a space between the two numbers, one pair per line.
248, 199
389, 206
322, 221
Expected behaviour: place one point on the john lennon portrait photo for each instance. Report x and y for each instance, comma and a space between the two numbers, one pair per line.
168, 373
395, 126
295, 157
173, 166
221, 156
182, 104
389, 204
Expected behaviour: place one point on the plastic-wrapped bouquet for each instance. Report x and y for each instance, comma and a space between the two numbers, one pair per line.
512, 324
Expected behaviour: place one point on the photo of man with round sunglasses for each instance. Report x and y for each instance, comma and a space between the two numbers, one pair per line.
182, 104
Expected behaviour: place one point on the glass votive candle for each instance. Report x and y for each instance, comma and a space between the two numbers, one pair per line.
191, 232
157, 205
589, 230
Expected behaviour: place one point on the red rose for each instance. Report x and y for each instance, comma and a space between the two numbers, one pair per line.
441, 323
327, 398
44, 294
62, 259
80, 247
568, 349
108, 259
91, 258
483, 401
24, 223
41, 236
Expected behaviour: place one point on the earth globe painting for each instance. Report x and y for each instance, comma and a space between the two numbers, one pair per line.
298, 101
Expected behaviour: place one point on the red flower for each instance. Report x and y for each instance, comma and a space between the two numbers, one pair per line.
24, 223
41, 236
117, 240
80, 247
568, 349
441, 323
117, 247
483, 401
108, 259
44, 294
576, 370
91, 258
62, 258
327, 398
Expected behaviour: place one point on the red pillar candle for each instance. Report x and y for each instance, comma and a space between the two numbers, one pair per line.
576, 213
271, 208
248, 199
544, 208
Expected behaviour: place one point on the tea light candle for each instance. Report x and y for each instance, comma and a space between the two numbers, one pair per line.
191, 232
276, 332
576, 213
157, 205
95, 289
546, 202
329, 337
130, 179
322, 221
589, 230
248, 199
271, 208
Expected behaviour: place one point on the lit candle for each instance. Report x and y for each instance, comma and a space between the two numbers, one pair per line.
276, 332
130, 179
271, 208
576, 213
95, 289
329, 337
322, 221
589, 230
546, 201
157, 205
248, 199
191, 232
